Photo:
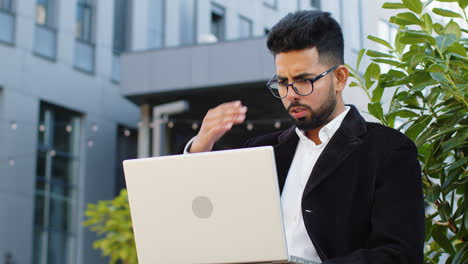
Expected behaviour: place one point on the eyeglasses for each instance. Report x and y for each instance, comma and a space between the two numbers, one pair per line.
302, 87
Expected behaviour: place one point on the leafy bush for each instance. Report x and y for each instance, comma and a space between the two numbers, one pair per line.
428, 81
111, 220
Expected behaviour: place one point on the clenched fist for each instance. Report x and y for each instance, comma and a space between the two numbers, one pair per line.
216, 123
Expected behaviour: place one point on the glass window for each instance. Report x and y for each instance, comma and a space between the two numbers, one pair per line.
45, 13
120, 26
156, 23
245, 27
84, 47
217, 22
315, 3
120, 37
187, 22
84, 20
6, 5
57, 171
7, 22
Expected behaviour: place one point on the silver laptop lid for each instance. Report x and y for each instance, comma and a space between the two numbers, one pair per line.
215, 207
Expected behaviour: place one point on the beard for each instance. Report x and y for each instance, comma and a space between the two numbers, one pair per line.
318, 117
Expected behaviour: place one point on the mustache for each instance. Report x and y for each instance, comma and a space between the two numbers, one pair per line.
297, 104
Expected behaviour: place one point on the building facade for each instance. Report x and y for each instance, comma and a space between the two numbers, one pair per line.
64, 127
80, 79
215, 51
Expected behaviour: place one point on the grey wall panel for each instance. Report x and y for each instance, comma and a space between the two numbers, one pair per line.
17, 181
199, 66
98, 176
16, 225
196, 67
20, 143
170, 69
133, 68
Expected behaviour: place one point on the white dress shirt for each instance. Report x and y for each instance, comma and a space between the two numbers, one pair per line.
307, 153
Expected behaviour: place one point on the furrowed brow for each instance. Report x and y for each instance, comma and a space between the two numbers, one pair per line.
299, 76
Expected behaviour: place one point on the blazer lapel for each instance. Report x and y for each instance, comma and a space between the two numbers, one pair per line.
344, 142
284, 154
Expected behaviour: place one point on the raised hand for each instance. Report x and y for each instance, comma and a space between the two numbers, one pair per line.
216, 123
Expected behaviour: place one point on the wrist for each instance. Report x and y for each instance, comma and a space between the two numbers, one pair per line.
199, 145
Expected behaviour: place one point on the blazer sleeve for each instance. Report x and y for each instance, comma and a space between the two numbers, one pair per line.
397, 218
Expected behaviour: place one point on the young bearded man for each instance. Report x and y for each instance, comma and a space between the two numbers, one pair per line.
350, 190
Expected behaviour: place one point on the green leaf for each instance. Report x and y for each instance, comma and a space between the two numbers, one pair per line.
372, 73
465, 204
459, 57
377, 93
380, 41
399, 46
413, 5
455, 142
458, 164
439, 77
462, 255
444, 211
405, 19
389, 62
436, 68
373, 53
415, 129
458, 48
440, 236
359, 58
393, 6
433, 193
445, 12
397, 74
417, 59
463, 4
428, 25
415, 37
453, 28
376, 110
406, 114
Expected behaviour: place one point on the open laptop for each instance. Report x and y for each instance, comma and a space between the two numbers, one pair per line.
206, 208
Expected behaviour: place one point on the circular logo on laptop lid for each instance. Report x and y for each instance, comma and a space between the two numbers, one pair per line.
202, 207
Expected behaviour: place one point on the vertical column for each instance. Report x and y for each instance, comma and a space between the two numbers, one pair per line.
160, 115
144, 131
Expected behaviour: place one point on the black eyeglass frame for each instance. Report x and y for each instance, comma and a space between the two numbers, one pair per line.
311, 80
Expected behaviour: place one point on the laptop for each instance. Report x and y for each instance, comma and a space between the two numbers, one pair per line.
206, 208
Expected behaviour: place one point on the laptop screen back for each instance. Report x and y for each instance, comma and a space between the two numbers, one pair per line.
216, 207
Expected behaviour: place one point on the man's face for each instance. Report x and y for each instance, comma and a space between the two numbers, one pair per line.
316, 109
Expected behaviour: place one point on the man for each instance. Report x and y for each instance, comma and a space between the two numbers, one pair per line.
351, 190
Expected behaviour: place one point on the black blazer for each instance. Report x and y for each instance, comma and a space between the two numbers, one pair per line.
363, 202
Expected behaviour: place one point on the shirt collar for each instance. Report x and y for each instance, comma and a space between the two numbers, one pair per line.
327, 131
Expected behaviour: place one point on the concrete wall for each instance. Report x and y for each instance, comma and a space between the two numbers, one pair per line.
26, 80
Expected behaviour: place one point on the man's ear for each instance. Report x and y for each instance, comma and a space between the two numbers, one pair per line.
341, 75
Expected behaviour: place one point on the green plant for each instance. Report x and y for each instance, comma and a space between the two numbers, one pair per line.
428, 81
111, 220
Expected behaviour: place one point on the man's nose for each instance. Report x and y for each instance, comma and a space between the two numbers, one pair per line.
292, 95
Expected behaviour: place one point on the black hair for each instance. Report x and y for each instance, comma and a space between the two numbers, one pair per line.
308, 29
